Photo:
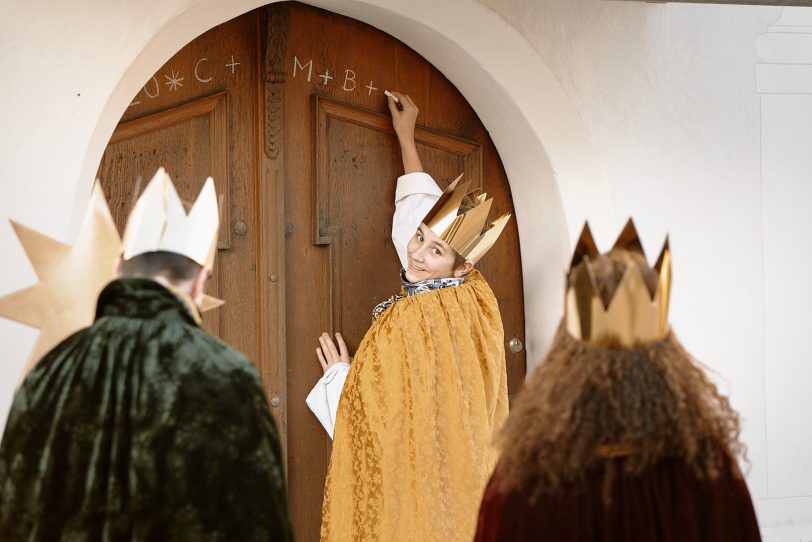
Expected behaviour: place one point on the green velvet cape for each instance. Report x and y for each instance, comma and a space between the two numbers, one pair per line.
142, 427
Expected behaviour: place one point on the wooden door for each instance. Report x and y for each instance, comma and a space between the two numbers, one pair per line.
340, 161
284, 107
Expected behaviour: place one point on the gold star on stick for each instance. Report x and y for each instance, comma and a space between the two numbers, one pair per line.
70, 278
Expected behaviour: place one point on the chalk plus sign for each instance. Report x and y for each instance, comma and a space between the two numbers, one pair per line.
232, 64
326, 76
371, 88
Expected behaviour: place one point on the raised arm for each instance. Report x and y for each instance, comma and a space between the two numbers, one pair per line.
416, 191
404, 118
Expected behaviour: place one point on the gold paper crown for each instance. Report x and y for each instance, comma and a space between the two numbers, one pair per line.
159, 222
464, 232
633, 316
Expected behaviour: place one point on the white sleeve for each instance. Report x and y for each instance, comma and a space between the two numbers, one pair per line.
323, 398
415, 195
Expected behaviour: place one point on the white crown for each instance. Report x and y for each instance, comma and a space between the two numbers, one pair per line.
159, 222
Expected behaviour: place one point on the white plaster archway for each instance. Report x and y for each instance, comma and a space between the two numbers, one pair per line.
554, 171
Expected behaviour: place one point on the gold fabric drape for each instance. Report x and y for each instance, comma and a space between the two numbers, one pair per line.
412, 451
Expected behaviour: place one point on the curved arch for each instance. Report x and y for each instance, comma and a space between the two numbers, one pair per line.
554, 172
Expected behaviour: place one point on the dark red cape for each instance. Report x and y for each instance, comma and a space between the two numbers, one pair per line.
667, 503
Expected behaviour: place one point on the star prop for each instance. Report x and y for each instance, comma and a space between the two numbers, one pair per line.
70, 278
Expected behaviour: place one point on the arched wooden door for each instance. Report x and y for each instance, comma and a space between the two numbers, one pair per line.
285, 107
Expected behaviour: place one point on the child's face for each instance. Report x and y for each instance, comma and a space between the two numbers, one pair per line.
429, 256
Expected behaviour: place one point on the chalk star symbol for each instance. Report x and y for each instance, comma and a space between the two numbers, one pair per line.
175, 81
232, 64
326, 76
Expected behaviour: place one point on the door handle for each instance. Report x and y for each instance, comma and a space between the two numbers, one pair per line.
515, 345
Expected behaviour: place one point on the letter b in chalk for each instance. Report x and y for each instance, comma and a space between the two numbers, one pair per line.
349, 79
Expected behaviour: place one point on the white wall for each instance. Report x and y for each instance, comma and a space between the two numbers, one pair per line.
650, 108
784, 82
667, 94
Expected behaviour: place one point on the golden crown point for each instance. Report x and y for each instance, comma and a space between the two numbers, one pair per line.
465, 233
634, 315
159, 222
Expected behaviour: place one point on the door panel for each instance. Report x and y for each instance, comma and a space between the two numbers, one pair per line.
197, 119
193, 139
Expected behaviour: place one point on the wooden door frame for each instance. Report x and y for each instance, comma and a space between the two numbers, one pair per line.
270, 213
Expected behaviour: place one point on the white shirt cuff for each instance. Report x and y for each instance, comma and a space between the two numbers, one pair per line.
324, 397
418, 182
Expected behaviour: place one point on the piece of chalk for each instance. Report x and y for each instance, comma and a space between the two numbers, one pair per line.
387, 93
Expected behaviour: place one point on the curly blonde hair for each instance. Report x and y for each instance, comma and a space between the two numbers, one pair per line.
588, 405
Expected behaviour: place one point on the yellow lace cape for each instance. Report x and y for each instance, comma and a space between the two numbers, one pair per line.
412, 451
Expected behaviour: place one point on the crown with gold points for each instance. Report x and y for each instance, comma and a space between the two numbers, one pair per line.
466, 233
159, 222
634, 315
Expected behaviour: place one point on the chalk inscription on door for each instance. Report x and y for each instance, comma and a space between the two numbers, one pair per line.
346, 79
204, 71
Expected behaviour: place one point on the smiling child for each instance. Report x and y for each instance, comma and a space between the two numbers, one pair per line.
413, 416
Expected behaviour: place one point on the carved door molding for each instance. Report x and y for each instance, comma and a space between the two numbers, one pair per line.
212, 108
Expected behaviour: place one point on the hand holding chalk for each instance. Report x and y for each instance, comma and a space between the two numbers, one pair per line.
404, 120
404, 114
